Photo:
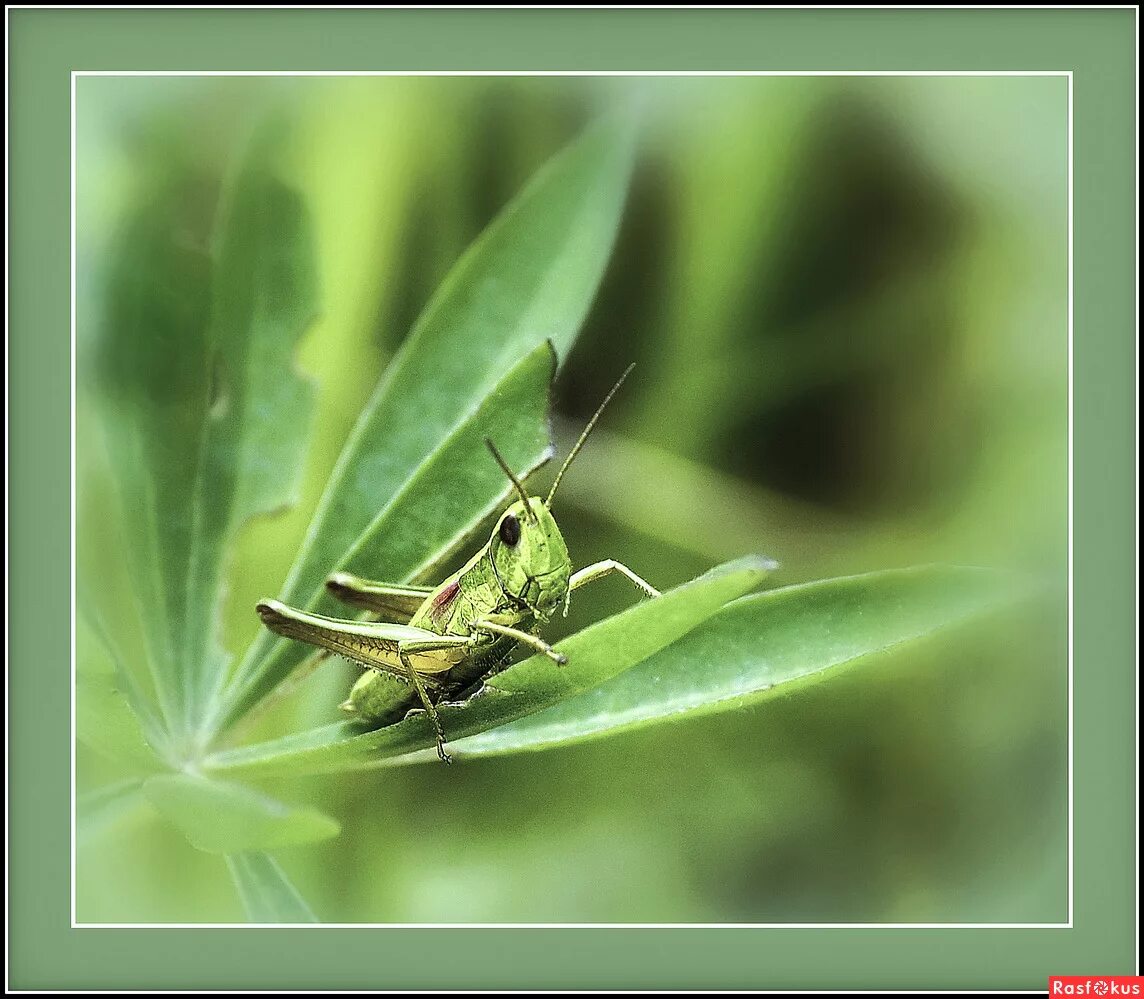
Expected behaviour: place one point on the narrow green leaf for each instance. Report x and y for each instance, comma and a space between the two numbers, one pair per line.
758, 644
257, 425
595, 654
267, 894
530, 277
202, 412
219, 817
99, 656
107, 808
106, 723
151, 366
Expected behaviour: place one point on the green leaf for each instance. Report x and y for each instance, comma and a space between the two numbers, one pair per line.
152, 368
595, 654
107, 808
106, 723
264, 298
529, 278
759, 646
99, 658
266, 892
203, 415
219, 817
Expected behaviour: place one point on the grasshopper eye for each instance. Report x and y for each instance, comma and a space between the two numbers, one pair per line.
510, 531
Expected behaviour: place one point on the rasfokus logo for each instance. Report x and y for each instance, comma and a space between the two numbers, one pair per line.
1096, 985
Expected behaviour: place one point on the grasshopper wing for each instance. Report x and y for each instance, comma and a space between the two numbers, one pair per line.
373, 644
390, 601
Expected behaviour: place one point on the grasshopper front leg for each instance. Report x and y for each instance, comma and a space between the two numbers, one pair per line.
503, 630
597, 570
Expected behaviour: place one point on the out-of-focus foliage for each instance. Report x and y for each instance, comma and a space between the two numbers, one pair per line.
847, 298
266, 893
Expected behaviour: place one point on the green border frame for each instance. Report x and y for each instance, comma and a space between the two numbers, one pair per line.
1097, 45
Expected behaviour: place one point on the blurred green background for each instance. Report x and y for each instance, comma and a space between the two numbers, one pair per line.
847, 299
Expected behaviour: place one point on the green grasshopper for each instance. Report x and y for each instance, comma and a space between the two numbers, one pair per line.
436, 642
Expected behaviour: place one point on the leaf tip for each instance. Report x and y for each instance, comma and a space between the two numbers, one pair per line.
759, 565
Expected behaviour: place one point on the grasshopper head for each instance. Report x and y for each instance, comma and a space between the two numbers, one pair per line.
530, 557
528, 550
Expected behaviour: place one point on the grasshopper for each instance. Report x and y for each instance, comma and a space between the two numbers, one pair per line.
430, 643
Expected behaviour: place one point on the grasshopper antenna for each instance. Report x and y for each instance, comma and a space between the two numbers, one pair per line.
584, 435
517, 485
